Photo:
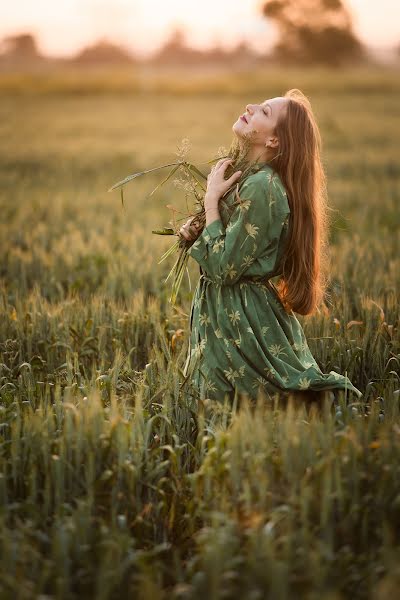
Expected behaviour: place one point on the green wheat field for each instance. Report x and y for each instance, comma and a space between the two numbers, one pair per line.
113, 483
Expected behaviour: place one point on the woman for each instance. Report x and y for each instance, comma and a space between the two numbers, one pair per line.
244, 333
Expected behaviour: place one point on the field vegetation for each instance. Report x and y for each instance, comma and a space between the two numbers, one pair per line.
114, 482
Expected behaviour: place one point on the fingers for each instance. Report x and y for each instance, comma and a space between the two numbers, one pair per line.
222, 161
234, 177
189, 231
185, 233
225, 164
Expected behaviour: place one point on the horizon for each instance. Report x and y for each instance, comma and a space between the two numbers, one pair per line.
65, 28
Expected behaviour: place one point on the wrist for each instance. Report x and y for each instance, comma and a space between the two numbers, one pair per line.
212, 214
211, 201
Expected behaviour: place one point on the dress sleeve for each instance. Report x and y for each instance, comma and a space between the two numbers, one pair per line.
226, 253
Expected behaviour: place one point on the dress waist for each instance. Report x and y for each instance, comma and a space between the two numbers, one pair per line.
260, 281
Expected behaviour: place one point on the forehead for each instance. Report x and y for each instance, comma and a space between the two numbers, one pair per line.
276, 103
278, 100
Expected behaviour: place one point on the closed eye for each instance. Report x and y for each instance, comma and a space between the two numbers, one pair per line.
266, 106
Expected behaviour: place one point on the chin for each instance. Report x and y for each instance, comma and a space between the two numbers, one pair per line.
237, 129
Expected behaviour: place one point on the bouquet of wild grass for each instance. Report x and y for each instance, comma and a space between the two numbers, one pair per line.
194, 183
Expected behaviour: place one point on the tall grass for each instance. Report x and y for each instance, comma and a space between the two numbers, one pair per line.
115, 479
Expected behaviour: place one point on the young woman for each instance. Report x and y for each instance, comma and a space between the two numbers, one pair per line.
244, 333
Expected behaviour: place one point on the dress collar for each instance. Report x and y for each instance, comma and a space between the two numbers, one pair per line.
262, 165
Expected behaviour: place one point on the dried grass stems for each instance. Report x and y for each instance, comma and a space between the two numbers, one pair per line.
194, 183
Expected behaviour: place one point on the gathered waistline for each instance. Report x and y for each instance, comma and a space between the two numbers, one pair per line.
263, 282
259, 282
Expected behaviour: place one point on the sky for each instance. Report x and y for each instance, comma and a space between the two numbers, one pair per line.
64, 26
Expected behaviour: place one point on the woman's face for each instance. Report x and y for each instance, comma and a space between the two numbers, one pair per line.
260, 121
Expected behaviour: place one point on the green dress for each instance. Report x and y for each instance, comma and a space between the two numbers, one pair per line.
241, 336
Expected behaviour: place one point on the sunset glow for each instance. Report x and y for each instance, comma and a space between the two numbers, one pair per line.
64, 26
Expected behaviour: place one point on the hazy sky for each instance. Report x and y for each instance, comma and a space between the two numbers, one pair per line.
63, 26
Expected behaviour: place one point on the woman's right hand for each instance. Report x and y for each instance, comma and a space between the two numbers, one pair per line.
188, 231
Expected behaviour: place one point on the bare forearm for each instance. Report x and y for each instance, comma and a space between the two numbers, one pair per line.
211, 208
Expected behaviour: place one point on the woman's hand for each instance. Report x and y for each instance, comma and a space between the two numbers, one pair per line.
217, 185
188, 231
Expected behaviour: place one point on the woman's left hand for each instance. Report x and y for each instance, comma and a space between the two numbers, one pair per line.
217, 185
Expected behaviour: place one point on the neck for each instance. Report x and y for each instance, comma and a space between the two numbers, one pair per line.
259, 154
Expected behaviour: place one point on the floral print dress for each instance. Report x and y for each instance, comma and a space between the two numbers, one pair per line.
241, 336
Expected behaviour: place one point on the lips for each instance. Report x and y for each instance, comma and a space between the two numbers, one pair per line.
243, 118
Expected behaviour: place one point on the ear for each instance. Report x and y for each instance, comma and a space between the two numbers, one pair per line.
273, 142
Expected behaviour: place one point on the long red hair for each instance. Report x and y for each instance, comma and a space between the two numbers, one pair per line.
305, 261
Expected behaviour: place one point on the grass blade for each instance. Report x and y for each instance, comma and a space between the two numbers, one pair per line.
192, 171
165, 180
193, 167
134, 175
164, 231
169, 251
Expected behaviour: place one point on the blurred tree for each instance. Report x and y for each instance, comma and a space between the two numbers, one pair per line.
22, 47
178, 50
313, 31
102, 52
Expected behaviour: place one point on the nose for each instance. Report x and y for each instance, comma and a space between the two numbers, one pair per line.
249, 108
